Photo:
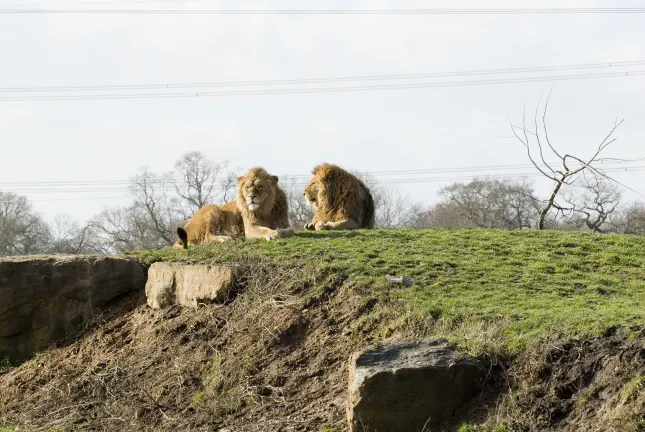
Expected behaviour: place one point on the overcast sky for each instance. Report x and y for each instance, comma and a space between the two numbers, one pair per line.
412, 129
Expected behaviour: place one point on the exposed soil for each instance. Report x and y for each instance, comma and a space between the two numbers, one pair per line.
591, 385
280, 365
278, 362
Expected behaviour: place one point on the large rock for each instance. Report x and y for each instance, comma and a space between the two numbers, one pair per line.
188, 284
43, 297
409, 386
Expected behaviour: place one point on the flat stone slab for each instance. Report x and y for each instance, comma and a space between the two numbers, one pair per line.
188, 284
409, 385
42, 297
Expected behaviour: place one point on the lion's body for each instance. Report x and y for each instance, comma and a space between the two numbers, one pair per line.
259, 211
213, 224
271, 218
341, 200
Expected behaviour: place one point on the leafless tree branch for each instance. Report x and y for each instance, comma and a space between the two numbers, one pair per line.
565, 176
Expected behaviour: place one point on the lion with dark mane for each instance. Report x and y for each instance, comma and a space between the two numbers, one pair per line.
260, 210
341, 201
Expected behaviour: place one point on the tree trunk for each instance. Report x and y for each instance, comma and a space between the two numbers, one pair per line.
549, 203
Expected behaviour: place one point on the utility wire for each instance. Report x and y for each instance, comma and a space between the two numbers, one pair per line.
322, 80
454, 170
321, 89
376, 181
72, 199
396, 181
95, 2
47, 4
509, 11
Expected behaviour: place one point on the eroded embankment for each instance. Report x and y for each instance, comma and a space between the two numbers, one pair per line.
275, 359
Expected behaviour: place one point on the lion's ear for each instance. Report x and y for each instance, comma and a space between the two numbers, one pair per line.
274, 179
240, 180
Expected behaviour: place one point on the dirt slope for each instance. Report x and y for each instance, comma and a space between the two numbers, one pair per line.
592, 385
279, 365
275, 360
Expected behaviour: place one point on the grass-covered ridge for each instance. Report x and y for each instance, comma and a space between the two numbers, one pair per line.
535, 282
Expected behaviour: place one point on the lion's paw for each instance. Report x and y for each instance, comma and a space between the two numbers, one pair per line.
321, 226
280, 233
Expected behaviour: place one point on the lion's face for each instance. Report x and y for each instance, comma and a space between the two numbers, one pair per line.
257, 191
311, 192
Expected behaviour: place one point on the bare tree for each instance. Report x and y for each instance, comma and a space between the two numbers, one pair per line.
570, 166
148, 223
66, 235
124, 229
22, 231
152, 198
630, 220
201, 181
489, 203
228, 183
392, 209
597, 202
300, 212
443, 215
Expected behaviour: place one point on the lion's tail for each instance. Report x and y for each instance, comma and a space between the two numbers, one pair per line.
368, 210
183, 237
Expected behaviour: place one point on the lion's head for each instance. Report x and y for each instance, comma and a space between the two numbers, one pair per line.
340, 197
311, 192
257, 192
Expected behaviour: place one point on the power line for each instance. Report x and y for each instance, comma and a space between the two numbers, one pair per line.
90, 3
381, 182
408, 180
72, 199
48, 4
322, 89
409, 172
522, 11
376, 182
322, 80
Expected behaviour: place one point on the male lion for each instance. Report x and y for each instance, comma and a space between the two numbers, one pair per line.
340, 199
259, 211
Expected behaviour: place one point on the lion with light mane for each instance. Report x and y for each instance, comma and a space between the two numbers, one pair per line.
260, 210
341, 201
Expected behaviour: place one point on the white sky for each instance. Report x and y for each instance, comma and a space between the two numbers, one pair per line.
289, 134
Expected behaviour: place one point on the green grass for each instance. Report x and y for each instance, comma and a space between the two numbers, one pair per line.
326, 427
197, 399
535, 282
634, 388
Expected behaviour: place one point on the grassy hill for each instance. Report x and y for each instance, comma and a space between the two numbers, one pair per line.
525, 284
558, 317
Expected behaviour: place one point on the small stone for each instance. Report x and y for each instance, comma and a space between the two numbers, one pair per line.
406, 281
